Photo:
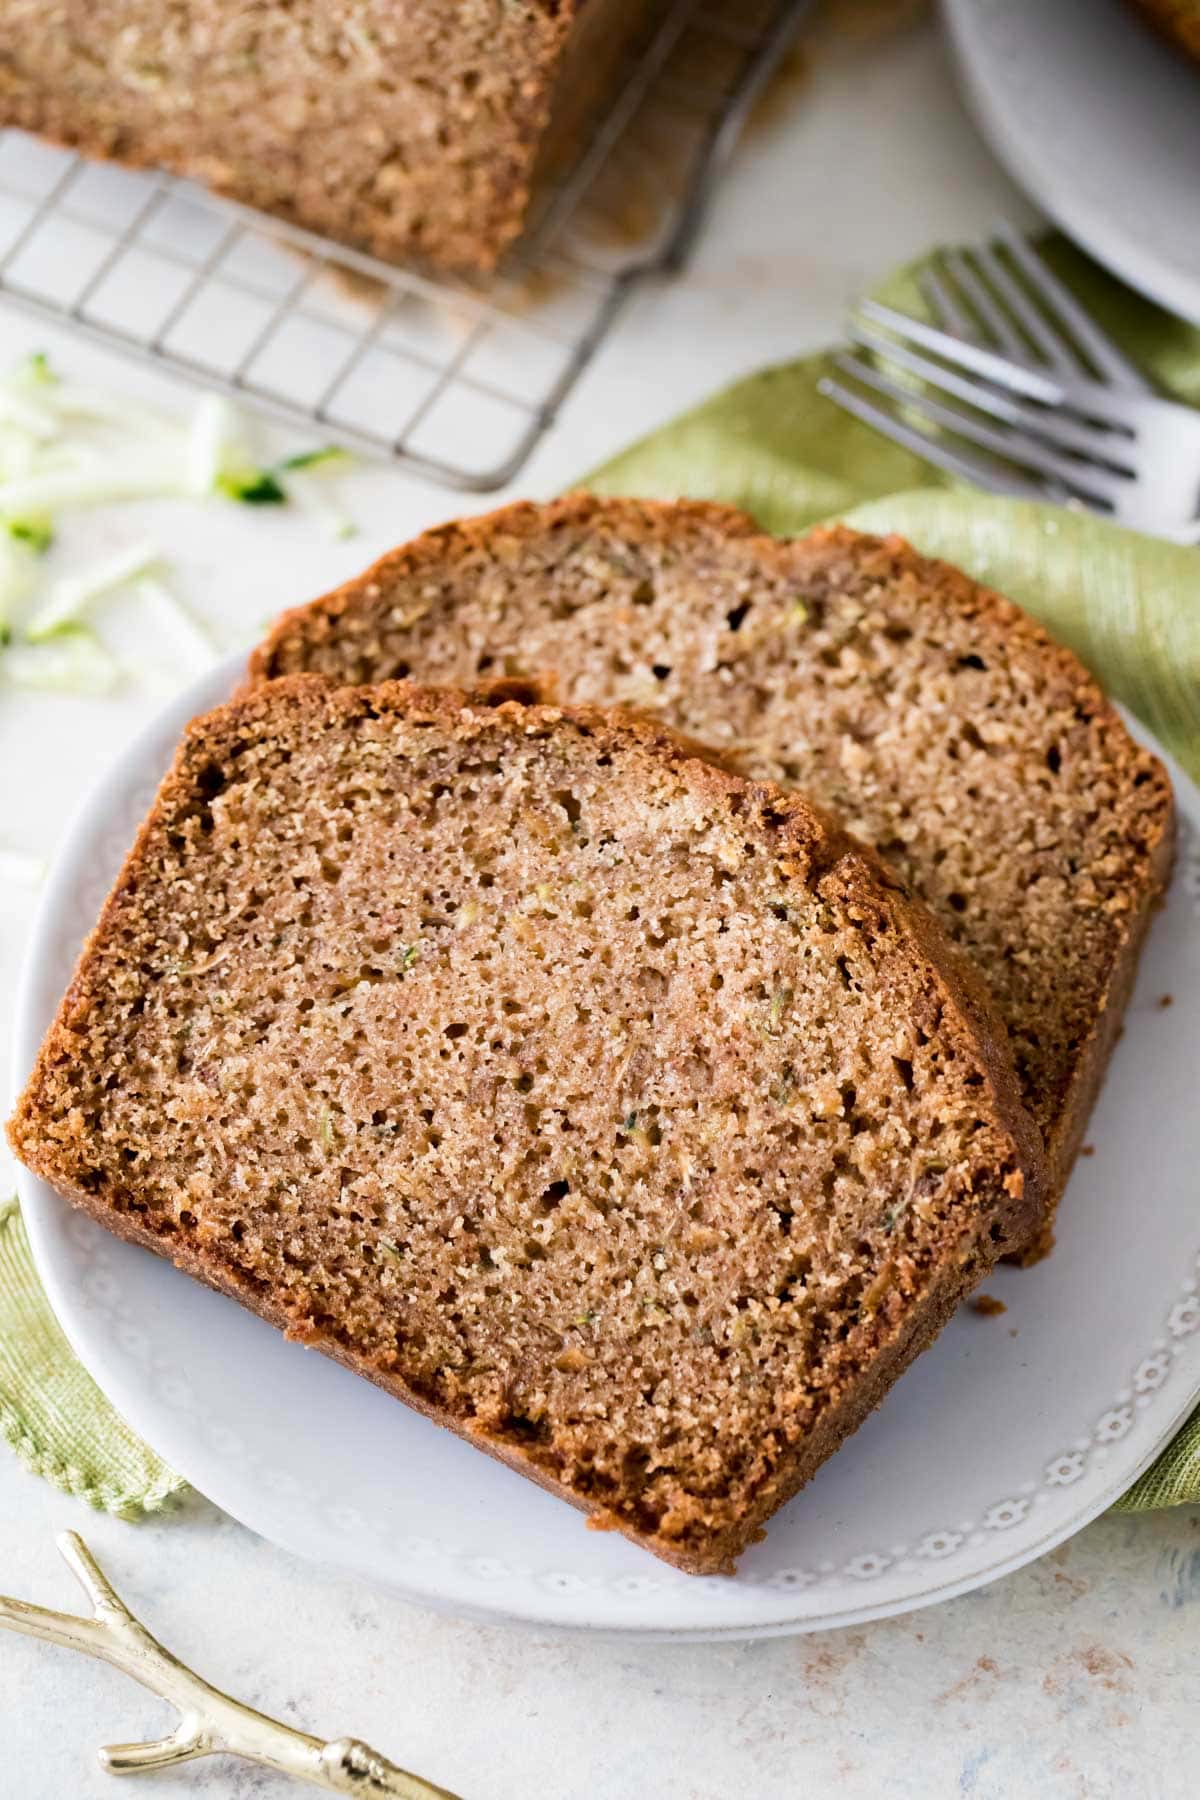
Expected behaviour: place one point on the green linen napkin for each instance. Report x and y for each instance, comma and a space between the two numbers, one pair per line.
51, 1411
1128, 605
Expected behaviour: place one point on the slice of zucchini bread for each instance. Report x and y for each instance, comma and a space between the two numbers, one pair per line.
410, 128
616, 1112
937, 720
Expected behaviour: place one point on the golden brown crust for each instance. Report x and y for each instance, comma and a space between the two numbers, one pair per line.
1092, 1057
57, 1141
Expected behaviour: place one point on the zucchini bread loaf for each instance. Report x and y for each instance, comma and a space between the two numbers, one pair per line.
940, 723
410, 128
617, 1112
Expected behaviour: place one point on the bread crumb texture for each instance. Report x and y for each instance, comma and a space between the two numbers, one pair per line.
988, 1306
939, 723
614, 1110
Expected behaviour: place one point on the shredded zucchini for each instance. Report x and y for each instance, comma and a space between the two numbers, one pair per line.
36, 531
329, 456
16, 573
73, 662
34, 371
65, 445
253, 487
70, 597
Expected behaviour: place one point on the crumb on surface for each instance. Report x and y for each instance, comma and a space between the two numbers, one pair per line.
1088, 1150
987, 1305
1166, 1000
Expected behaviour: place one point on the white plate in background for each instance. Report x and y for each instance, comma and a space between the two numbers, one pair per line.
1098, 118
1006, 1437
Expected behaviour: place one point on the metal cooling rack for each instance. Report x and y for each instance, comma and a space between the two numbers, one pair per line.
457, 380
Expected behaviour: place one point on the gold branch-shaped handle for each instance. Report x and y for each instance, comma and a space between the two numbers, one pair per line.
210, 1723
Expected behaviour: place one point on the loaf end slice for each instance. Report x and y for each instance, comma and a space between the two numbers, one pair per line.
937, 720
615, 1111
415, 131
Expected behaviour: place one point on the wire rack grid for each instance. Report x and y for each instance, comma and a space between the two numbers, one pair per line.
459, 381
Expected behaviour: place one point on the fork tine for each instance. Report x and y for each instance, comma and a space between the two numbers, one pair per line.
973, 469
1109, 361
1093, 441
1000, 328
1115, 405
943, 304
1051, 347
1030, 383
1080, 477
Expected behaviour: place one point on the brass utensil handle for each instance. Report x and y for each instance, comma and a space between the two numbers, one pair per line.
211, 1723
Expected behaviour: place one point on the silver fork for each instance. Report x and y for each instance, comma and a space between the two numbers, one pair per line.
1060, 410
986, 282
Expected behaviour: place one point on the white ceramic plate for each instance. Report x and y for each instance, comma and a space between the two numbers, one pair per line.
1007, 1436
1099, 119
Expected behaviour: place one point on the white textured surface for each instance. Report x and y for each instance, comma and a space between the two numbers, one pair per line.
1077, 1677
